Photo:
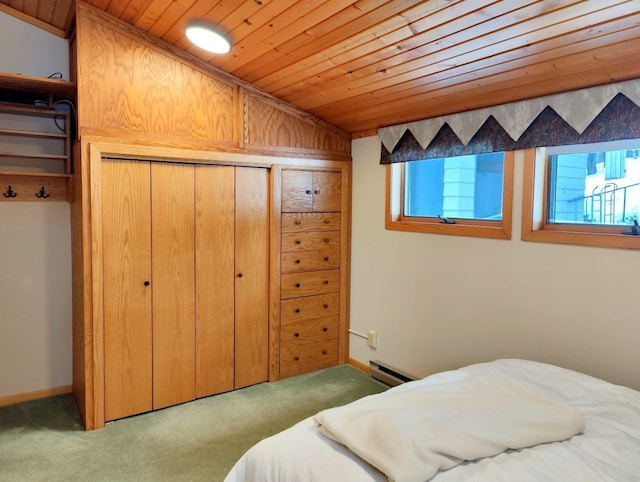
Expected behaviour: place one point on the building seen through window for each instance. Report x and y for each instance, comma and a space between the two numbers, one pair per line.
463, 187
600, 187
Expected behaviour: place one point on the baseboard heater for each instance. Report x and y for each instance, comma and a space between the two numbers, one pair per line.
387, 374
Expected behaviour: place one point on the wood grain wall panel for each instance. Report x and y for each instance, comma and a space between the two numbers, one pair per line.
173, 267
130, 89
139, 89
270, 124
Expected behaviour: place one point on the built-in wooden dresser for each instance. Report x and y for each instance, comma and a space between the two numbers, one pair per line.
310, 270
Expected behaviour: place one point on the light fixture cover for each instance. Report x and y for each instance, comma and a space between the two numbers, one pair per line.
205, 37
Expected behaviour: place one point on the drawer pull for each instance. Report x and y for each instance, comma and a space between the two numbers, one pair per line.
296, 358
324, 352
297, 261
297, 285
298, 222
239, 275
317, 191
297, 310
326, 221
326, 306
308, 191
324, 328
146, 283
326, 258
326, 240
298, 241
326, 281
296, 335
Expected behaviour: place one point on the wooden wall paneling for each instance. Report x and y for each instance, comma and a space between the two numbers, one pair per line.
275, 188
345, 271
130, 88
215, 241
173, 283
252, 276
80, 281
268, 123
94, 330
126, 218
139, 88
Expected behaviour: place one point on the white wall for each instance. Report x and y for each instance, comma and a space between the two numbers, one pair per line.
35, 248
440, 302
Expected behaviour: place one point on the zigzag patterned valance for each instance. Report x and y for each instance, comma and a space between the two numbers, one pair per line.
597, 114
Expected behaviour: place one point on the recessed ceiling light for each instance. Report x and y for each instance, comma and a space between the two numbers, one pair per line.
207, 38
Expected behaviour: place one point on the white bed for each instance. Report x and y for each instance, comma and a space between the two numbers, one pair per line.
608, 449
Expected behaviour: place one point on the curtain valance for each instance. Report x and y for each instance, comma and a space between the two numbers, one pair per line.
597, 114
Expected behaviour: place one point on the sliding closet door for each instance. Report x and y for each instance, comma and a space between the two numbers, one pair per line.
173, 238
252, 276
215, 200
126, 241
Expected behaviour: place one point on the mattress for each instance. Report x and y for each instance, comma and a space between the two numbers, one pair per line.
607, 450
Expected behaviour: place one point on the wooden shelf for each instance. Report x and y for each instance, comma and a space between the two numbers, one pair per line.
53, 157
44, 135
21, 185
57, 87
27, 185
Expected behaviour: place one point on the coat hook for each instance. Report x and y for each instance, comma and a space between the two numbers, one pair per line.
10, 192
42, 193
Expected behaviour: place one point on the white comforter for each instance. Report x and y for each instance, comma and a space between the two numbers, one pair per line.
608, 450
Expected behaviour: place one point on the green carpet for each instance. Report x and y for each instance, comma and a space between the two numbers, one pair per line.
43, 440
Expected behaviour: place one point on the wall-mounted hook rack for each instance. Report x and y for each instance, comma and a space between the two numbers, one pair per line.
10, 192
42, 193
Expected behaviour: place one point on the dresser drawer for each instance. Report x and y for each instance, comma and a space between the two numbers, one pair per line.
297, 358
310, 260
309, 241
299, 309
294, 285
309, 331
296, 222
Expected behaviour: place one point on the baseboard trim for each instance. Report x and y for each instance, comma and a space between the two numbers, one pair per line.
25, 397
359, 365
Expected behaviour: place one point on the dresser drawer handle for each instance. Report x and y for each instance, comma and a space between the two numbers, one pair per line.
297, 261
296, 335
297, 310
298, 241
326, 281
326, 258
324, 352
308, 191
297, 221
297, 285
296, 358
326, 240
324, 328
317, 191
326, 221
325, 306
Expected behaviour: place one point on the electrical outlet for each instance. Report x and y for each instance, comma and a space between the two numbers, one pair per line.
372, 338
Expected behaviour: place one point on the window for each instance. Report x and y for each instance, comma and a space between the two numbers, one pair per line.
465, 195
588, 195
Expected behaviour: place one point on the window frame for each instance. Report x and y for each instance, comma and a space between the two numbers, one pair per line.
535, 227
395, 219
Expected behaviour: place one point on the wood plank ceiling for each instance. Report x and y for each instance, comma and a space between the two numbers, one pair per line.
369, 63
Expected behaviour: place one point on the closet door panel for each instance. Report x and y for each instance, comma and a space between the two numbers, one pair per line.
126, 216
252, 276
173, 238
214, 211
